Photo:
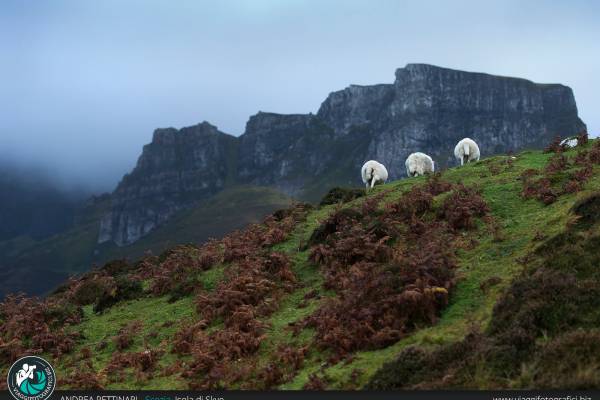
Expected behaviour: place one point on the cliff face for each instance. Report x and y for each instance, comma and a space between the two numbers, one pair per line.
430, 109
179, 168
426, 109
283, 151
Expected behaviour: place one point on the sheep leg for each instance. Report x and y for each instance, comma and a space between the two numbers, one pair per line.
373, 181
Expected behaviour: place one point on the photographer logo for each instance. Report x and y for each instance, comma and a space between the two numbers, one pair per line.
31, 378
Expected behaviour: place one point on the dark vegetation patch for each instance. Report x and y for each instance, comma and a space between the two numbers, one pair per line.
125, 289
315, 382
341, 195
587, 210
144, 363
391, 267
34, 326
83, 376
282, 367
178, 273
543, 331
570, 361
103, 288
216, 354
124, 338
555, 146
117, 268
489, 283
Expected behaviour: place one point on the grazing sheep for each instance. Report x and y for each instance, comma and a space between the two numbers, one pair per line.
419, 164
373, 173
466, 151
569, 142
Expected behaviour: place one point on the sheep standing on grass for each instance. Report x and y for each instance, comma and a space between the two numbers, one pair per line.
373, 173
419, 164
466, 151
569, 142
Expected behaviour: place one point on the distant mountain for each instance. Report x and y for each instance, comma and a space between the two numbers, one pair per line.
427, 109
33, 206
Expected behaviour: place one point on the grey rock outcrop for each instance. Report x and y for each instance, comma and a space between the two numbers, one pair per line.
283, 151
426, 109
176, 170
430, 109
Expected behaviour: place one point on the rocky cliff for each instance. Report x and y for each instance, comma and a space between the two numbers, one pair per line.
426, 109
430, 108
176, 170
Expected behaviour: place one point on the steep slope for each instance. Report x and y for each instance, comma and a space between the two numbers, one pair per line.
426, 109
76, 251
232, 313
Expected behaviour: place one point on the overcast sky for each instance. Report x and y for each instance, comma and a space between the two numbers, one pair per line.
84, 83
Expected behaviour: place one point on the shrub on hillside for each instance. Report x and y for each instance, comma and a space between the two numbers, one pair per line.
33, 326
125, 289
117, 267
559, 177
578, 369
555, 146
341, 195
83, 377
582, 139
125, 336
392, 267
91, 288
144, 363
462, 207
254, 281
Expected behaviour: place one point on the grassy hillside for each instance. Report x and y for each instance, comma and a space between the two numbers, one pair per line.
478, 278
230, 209
76, 250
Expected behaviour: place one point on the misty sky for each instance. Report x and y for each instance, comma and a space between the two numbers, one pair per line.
84, 83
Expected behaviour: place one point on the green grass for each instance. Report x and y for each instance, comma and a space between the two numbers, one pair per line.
519, 220
155, 314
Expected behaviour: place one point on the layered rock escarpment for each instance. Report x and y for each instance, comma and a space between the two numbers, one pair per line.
426, 109
430, 109
176, 170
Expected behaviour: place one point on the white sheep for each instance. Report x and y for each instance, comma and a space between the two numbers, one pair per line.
569, 142
419, 164
373, 173
466, 151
